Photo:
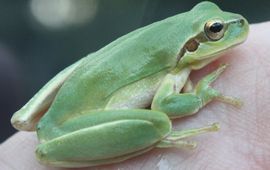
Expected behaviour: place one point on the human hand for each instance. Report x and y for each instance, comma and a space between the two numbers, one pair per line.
243, 141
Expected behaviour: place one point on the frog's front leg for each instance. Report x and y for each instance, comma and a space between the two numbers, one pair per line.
188, 87
168, 99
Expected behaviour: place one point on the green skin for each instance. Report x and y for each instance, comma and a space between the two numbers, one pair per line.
93, 112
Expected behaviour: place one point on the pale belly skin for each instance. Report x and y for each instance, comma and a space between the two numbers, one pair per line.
137, 97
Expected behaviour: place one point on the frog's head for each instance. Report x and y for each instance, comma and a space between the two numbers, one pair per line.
213, 32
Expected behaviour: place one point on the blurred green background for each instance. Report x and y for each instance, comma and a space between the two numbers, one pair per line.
38, 38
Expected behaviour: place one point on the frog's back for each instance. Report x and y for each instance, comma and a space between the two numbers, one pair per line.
105, 72
130, 59
91, 86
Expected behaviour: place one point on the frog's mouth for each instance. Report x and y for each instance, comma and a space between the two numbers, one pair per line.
205, 60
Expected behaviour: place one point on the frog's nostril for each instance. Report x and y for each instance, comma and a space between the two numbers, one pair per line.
241, 22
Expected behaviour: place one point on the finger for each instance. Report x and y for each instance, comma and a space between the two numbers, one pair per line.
18, 152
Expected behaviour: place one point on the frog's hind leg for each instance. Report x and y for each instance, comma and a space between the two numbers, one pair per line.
89, 163
175, 138
109, 136
27, 117
100, 137
168, 99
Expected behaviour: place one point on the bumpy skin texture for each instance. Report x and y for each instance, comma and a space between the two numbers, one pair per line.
243, 141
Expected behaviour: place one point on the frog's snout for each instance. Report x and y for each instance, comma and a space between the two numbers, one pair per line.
241, 22
239, 29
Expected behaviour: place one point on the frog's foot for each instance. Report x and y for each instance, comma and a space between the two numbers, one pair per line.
175, 137
207, 94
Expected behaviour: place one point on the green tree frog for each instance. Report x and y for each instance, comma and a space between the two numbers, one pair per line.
118, 102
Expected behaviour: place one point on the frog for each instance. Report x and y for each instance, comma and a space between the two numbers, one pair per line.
119, 102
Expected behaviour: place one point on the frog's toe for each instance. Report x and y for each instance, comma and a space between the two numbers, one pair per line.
175, 138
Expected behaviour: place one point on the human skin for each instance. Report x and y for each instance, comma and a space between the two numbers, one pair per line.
243, 141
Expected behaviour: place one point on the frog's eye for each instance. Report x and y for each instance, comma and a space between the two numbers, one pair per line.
214, 30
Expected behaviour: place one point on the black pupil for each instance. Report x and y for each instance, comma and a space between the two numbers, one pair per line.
216, 27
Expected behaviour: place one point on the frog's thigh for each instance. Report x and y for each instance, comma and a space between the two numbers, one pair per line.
105, 137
